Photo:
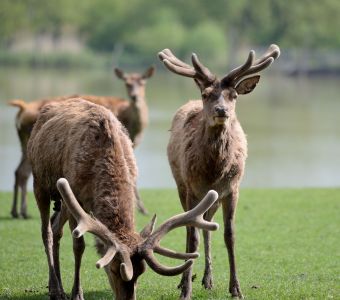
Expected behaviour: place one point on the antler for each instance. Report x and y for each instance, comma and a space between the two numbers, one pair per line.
150, 245
192, 217
198, 71
90, 224
251, 67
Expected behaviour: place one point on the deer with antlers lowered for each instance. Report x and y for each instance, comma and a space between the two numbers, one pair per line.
208, 150
133, 113
80, 153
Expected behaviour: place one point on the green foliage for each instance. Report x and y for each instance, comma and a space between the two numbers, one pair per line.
287, 247
140, 28
207, 40
11, 20
164, 31
55, 60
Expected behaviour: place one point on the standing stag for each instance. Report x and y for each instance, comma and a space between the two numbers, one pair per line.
86, 144
133, 114
208, 148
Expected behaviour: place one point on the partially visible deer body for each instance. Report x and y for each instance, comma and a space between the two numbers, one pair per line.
133, 114
80, 153
208, 150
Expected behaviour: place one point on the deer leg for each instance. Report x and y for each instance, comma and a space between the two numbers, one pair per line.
207, 280
22, 173
192, 246
14, 211
139, 203
23, 208
229, 207
78, 250
25, 174
43, 201
58, 221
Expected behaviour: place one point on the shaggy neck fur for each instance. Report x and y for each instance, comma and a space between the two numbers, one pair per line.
219, 149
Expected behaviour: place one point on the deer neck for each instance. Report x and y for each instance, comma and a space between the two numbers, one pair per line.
139, 109
216, 142
216, 135
113, 193
138, 106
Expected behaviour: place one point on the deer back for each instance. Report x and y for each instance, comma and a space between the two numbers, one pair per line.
86, 144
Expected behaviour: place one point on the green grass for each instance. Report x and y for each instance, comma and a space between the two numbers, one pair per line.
288, 247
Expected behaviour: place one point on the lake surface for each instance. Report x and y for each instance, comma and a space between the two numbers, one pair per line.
292, 125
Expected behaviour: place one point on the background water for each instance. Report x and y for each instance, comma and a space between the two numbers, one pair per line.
292, 125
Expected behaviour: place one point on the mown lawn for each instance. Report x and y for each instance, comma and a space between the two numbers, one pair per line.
288, 247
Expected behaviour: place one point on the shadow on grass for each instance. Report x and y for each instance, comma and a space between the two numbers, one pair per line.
32, 295
10, 218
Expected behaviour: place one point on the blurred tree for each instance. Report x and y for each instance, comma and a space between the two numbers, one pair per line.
105, 22
208, 41
164, 31
12, 19
140, 28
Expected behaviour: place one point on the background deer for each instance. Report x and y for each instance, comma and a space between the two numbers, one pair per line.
86, 144
208, 150
133, 114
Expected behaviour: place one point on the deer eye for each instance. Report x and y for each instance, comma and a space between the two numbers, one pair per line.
207, 93
233, 95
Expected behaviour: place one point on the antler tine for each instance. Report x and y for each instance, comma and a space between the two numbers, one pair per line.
198, 71
172, 254
192, 217
175, 65
230, 77
251, 67
87, 223
201, 69
179, 70
256, 68
272, 51
163, 270
167, 54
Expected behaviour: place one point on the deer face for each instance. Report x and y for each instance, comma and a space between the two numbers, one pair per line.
219, 100
218, 105
125, 289
135, 83
219, 96
124, 261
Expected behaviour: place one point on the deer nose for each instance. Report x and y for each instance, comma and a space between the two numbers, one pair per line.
221, 112
134, 97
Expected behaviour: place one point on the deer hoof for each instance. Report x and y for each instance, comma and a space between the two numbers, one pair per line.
59, 296
207, 281
236, 292
77, 295
14, 214
25, 216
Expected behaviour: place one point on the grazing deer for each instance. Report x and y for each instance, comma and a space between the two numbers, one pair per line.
133, 114
208, 149
80, 153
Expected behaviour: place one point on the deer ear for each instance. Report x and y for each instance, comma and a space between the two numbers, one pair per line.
149, 72
119, 73
247, 85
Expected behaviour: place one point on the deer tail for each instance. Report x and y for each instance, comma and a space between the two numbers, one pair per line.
18, 103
